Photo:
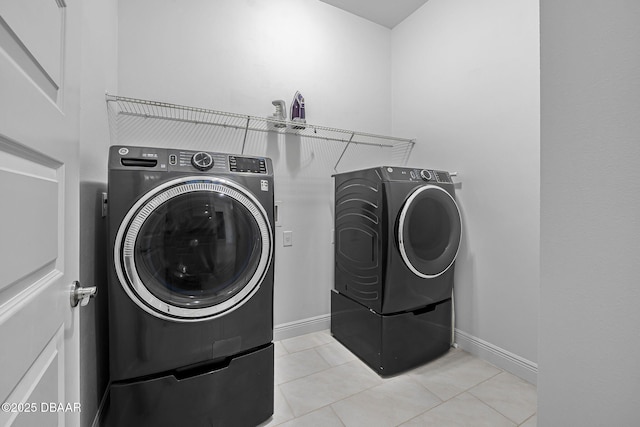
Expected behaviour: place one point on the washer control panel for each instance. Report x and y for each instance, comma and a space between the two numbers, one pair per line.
160, 159
410, 174
199, 160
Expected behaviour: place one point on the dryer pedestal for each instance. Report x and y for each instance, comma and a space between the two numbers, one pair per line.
393, 343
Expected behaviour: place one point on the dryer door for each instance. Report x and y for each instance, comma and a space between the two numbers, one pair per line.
193, 249
429, 230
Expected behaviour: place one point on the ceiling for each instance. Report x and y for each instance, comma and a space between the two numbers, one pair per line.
384, 12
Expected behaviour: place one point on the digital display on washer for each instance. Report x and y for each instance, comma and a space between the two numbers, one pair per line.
247, 164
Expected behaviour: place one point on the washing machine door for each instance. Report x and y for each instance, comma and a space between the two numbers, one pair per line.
429, 230
193, 248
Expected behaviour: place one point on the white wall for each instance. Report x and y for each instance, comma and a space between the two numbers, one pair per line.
238, 56
466, 84
590, 214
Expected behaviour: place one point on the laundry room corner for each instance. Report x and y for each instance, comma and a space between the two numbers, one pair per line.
466, 83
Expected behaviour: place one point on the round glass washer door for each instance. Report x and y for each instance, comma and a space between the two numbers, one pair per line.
429, 231
193, 249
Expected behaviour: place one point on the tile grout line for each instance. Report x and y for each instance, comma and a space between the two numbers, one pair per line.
316, 372
491, 406
288, 405
308, 348
313, 373
467, 390
336, 414
525, 421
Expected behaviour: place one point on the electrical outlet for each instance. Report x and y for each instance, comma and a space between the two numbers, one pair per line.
287, 238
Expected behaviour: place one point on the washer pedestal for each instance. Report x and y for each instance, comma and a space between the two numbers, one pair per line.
393, 343
236, 392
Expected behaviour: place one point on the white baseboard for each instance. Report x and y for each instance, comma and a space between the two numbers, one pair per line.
497, 356
301, 327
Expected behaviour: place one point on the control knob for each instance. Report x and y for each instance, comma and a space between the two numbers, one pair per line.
425, 174
202, 161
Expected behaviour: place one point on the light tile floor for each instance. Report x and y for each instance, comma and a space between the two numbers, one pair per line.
320, 383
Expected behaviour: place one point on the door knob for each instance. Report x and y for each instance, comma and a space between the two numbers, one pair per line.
82, 295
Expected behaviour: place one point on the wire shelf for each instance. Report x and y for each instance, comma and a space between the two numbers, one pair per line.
120, 108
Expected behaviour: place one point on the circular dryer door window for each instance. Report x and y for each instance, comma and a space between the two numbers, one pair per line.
429, 230
193, 248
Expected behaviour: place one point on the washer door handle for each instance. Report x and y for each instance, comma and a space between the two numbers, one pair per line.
82, 295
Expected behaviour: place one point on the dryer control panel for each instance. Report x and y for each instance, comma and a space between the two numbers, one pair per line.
390, 173
172, 160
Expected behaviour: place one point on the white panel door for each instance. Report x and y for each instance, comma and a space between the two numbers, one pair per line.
39, 223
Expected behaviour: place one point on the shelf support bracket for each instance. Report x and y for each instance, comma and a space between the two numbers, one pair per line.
335, 168
246, 131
